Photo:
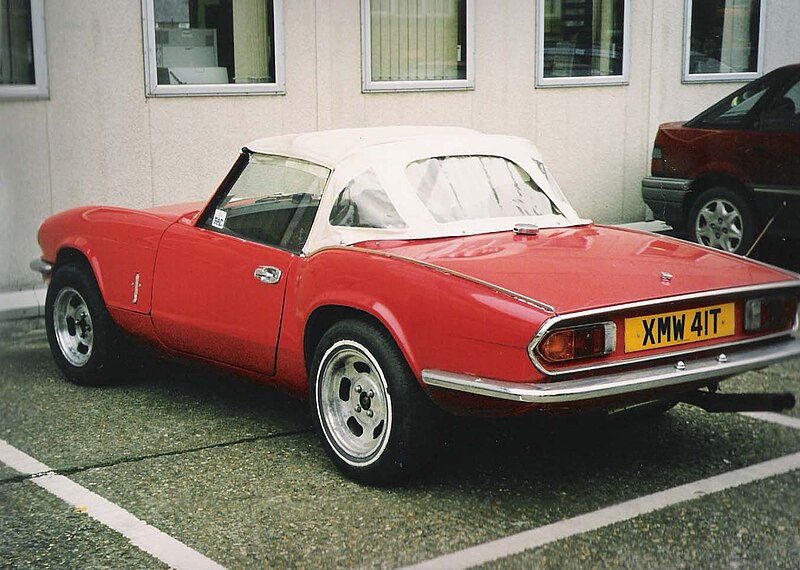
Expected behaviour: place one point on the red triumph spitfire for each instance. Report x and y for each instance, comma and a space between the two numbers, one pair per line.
376, 271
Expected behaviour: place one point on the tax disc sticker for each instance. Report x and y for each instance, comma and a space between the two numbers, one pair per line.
219, 219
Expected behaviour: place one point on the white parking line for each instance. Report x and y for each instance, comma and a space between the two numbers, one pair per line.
774, 418
156, 543
534, 538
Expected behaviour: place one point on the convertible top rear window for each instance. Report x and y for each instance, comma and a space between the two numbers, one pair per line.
456, 188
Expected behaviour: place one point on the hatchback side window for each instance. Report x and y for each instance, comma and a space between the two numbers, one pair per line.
734, 112
273, 202
783, 114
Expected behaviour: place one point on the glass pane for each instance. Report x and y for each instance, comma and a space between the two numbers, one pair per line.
734, 111
418, 39
16, 43
274, 202
455, 188
583, 38
214, 41
724, 36
364, 204
783, 113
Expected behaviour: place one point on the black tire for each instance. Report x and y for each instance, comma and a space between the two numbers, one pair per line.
367, 405
724, 219
83, 338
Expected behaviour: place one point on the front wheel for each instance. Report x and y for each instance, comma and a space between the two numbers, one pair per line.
81, 334
723, 219
367, 404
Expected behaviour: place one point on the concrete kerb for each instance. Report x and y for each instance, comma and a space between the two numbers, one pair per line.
29, 303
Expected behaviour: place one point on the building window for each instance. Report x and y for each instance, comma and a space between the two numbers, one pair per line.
582, 42
213, 47
416, 44
23, 71
722, 40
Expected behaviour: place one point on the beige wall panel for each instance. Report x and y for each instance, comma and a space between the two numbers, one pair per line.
580, 132
340, 102
504, 100
783, 38
24, 189
195, 140
97, 117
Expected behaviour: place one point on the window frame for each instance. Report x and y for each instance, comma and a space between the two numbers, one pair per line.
687, 77
40, 89
583, 81
368, 85
204, 220
153, 89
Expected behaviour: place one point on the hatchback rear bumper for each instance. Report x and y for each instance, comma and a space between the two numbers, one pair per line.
666, 197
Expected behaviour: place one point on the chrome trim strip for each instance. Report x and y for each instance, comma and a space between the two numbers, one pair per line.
135, 289
538, 304
658, 183
41, 266
618, 384
560, 319
779, 190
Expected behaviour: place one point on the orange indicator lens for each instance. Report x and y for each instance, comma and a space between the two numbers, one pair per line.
578, 342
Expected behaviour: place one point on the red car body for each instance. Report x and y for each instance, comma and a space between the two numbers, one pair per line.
469, 313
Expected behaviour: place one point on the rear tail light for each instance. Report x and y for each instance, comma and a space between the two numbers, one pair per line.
769, 314
657, 164
658, 154
578, 342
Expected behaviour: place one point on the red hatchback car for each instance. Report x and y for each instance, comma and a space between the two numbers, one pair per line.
734, 169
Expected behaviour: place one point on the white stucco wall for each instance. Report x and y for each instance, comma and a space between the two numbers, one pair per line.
98, 139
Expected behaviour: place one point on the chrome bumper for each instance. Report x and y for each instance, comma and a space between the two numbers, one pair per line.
41, 266
621, 383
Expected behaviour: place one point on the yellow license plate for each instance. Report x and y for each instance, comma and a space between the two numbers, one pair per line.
679, 327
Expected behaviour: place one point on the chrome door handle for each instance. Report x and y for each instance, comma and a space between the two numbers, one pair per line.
267, 274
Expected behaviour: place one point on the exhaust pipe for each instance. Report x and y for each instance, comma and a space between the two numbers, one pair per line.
716, 402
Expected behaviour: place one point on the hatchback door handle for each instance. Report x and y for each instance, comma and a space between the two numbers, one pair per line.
267, 274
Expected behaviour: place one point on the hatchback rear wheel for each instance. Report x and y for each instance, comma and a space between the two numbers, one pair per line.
723, 219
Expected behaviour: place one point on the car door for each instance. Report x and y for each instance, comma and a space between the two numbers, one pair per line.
772, 156
772, 149
219, 283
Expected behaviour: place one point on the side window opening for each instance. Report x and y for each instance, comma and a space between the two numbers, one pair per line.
273, 202
783, 115
363, 203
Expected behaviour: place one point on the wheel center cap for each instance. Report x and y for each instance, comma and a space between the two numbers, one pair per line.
364, 400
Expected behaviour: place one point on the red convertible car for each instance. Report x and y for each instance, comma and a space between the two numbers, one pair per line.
391, 273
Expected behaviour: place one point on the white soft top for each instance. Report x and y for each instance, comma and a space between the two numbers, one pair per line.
387, 152
329, 148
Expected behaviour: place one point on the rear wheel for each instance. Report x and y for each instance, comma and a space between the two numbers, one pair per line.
369, 409
82, 336
723, 219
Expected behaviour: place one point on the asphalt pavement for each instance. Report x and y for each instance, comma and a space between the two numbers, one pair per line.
234, 471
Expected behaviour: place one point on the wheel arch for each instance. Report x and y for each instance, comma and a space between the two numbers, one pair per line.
717, 179
70, 254
325, 316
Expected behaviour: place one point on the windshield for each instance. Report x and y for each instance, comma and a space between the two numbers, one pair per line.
458, 188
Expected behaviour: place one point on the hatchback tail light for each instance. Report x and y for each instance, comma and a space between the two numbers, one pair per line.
657, 164
769, 314
578, 342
